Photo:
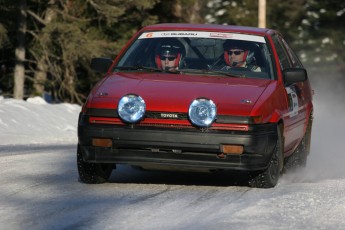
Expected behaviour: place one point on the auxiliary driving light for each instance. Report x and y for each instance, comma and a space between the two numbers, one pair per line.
202, 112
131, 108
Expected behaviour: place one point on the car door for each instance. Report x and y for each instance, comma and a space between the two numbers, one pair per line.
295, 117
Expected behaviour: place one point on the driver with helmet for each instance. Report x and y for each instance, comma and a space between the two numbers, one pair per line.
237, 54
169, 55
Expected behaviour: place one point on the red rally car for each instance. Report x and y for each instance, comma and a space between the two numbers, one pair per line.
198, 97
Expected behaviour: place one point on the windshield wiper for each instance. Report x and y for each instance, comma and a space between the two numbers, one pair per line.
229, 74
137, 67
205, 71
153, 69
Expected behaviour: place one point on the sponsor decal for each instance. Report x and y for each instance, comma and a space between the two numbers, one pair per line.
202, 34
179, 34
293, 100
165, 34
221, 35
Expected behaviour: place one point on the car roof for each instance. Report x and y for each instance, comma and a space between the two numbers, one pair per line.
209, 27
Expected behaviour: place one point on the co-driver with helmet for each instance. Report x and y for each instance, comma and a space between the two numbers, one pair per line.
238, 54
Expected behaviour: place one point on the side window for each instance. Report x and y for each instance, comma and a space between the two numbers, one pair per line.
294, 59
282, 55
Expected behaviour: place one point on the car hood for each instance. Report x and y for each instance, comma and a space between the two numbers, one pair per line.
175, 92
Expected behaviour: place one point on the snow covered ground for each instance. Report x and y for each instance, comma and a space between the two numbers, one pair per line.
40, 190
36, 122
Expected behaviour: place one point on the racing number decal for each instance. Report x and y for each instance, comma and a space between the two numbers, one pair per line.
149, 35
293, 101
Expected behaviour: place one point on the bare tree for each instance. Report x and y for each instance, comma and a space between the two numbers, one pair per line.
40, 75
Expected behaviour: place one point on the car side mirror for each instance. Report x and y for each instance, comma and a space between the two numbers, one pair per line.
101, 64
293, 75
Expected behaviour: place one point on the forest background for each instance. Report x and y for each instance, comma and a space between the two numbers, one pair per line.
46, 45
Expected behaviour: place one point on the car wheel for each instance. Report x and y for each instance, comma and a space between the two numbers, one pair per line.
92, 173
269, 177
299, 158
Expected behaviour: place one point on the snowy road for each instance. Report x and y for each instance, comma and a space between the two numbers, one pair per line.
39, 186
40, 190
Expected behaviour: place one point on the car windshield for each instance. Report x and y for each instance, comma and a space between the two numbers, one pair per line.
198, 52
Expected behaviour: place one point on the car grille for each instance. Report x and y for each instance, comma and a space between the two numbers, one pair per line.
170, 120
166, 115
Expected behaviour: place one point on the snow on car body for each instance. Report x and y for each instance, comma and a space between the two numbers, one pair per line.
202, 115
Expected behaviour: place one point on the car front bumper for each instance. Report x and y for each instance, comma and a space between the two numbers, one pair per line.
188, 149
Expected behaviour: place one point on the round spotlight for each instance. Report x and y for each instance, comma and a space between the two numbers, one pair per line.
131, 108
202, 112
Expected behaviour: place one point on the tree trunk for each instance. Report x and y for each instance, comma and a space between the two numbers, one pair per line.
188, 11
19, 69
194, 13
40, 75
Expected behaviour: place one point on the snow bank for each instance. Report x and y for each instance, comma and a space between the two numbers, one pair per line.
36, 122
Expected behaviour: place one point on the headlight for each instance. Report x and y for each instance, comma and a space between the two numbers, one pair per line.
202, 112
131, 108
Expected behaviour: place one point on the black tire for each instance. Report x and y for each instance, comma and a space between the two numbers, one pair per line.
269, 177
299, 158
92, 173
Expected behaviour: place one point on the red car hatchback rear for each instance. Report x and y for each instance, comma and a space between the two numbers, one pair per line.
198, 97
